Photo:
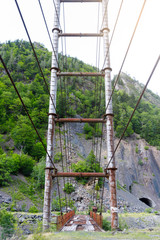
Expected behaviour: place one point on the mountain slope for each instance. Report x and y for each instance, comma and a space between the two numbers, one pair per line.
131, 86
75, 96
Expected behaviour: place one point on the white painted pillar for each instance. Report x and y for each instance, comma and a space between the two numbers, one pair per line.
109, 116
50, 135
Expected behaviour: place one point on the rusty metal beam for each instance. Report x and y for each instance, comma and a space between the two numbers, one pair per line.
86, 120
79, 174
80, 34
80, 74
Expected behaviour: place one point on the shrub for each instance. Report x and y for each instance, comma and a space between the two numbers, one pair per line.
57, 204
57, 157
136, 150
87, 128
158, 148
140, 162
106, 225
33, 209
90, 164
119, 186
68, 188
5, 170
7, 221
38, 151
26, 164
1, 150
148, 210
97, 187
14, 162
146, 147
23, 207
39, 174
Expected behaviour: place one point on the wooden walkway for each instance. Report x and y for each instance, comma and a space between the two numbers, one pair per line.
81, 223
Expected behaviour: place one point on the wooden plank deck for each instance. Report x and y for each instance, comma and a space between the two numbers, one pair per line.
81, 223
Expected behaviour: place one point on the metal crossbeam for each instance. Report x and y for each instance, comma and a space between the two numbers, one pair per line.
80, 74
80, 34
86, 120
79, 174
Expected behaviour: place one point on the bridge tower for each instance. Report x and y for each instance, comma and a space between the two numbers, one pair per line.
52, 111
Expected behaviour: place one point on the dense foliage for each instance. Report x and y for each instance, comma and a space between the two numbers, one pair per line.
7, 221
90, 164
75, 96
68, 188
146, 120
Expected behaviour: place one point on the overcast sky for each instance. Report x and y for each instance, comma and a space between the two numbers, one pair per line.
83, 17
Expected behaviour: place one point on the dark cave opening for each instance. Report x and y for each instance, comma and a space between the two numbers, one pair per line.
130, 188
146, 201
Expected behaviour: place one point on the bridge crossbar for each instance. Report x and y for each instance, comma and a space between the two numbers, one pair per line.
79, 174
86, 120
80, 34
80, 74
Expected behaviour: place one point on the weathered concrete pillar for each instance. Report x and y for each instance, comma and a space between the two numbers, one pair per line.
52, 111
109, 116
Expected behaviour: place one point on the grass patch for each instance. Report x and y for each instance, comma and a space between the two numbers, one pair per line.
128, 234
146, 147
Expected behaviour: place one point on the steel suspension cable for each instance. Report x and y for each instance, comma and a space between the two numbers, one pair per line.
126, 54
115, 25
134, 109
48, 31
59, 195
60, 139
35, 53
26, 110
102, 196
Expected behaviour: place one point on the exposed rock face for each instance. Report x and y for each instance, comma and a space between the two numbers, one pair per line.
138, 171
131, 86
5, 198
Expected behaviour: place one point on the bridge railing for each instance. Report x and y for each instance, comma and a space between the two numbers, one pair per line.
61, 220
97, 218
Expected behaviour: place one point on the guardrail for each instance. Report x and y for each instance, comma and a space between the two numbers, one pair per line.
97, 218
61, 220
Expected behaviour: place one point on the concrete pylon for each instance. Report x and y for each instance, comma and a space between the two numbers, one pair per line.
109, 117
51, 124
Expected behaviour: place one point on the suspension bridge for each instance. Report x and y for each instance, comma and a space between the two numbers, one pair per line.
53, 172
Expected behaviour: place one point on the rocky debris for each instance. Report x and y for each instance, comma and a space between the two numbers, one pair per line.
143, 222
5, 199
29, 222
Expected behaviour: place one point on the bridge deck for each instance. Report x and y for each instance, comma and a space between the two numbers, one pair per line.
81, 223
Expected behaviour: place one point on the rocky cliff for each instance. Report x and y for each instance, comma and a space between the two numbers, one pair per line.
138, 174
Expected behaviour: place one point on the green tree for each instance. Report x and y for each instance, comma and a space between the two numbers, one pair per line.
38, 174
7, 221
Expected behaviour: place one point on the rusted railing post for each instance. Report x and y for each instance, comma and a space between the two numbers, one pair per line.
51, 123
109, 116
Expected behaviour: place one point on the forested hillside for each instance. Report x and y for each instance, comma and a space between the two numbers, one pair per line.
20, 148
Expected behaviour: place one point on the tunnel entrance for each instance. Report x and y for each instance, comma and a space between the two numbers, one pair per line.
146, 201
